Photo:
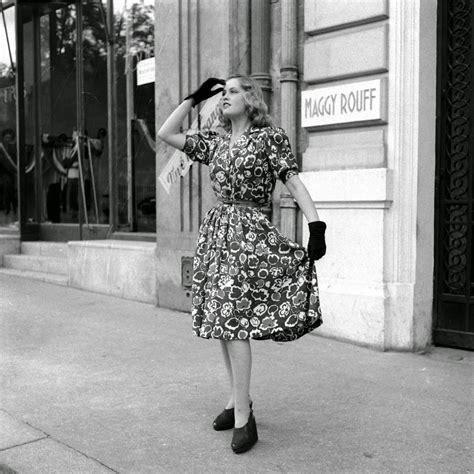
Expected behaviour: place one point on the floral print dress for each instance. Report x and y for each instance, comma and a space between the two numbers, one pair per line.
249, 280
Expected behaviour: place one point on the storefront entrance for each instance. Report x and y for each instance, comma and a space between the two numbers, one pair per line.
74, 163
454, 253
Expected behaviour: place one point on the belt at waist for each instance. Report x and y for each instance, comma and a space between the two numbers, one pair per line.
236, 202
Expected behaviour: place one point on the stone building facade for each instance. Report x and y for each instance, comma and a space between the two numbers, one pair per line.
372, 176
375, 96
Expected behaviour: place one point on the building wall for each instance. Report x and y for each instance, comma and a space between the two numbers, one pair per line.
376, 281
345, 167
372, 181
195, 40
192, 43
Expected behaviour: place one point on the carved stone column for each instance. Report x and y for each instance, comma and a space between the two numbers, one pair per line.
239, 32
409, 223
260, 42
289, 97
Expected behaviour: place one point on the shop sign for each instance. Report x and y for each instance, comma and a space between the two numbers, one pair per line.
145, 71
354, 102
179, 164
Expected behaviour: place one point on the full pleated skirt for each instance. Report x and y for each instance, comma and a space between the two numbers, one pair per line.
251, 282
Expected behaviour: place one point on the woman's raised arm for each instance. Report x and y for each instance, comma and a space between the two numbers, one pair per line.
170, 131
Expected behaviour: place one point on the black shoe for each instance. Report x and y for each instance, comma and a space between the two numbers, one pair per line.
244, 438
226, 420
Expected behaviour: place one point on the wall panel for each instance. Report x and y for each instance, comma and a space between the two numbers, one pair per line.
323, 15
349, 54
344, 149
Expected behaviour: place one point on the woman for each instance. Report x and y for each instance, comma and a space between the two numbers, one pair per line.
249, 282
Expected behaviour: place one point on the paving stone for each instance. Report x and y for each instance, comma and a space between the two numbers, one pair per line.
48, 456
14, 432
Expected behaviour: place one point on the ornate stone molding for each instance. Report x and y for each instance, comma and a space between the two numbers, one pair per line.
264, 80
289, 74
239, 32
260, 20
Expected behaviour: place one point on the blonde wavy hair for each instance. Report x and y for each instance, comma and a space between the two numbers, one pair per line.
255, 106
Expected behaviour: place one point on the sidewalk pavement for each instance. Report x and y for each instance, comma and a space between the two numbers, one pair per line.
96, 384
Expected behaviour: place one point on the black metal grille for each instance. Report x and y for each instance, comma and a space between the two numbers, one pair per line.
454, 304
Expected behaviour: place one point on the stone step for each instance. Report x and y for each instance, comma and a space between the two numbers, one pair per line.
7, 230
45, 249
37, 263
43, 276
9, 236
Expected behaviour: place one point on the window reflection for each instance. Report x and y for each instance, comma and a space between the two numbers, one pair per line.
8, 190
135, 33
62, 178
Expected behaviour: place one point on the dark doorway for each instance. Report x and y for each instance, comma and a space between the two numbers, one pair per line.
454, 251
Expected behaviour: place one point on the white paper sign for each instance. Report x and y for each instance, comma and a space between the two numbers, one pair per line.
353, 102
179, 164
145, 71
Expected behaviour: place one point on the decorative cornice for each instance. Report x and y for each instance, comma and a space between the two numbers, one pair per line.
353, 204
264, 80
287, 200
346, 26
289, 74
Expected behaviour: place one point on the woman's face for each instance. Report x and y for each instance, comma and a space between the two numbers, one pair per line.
233, 99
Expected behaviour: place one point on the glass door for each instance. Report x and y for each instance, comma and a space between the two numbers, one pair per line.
63, 66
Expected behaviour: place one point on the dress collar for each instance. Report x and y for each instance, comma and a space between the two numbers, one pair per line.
248, 133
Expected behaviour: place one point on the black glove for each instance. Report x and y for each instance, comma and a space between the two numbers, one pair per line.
205, 90
316, 243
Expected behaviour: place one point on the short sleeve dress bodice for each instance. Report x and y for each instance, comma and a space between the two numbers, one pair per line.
249, 280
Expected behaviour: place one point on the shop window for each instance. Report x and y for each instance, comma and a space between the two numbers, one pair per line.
8, 190
66, 102
67, 186
135, 23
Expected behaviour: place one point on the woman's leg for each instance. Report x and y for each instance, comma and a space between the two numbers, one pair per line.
240, 356
228, 366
